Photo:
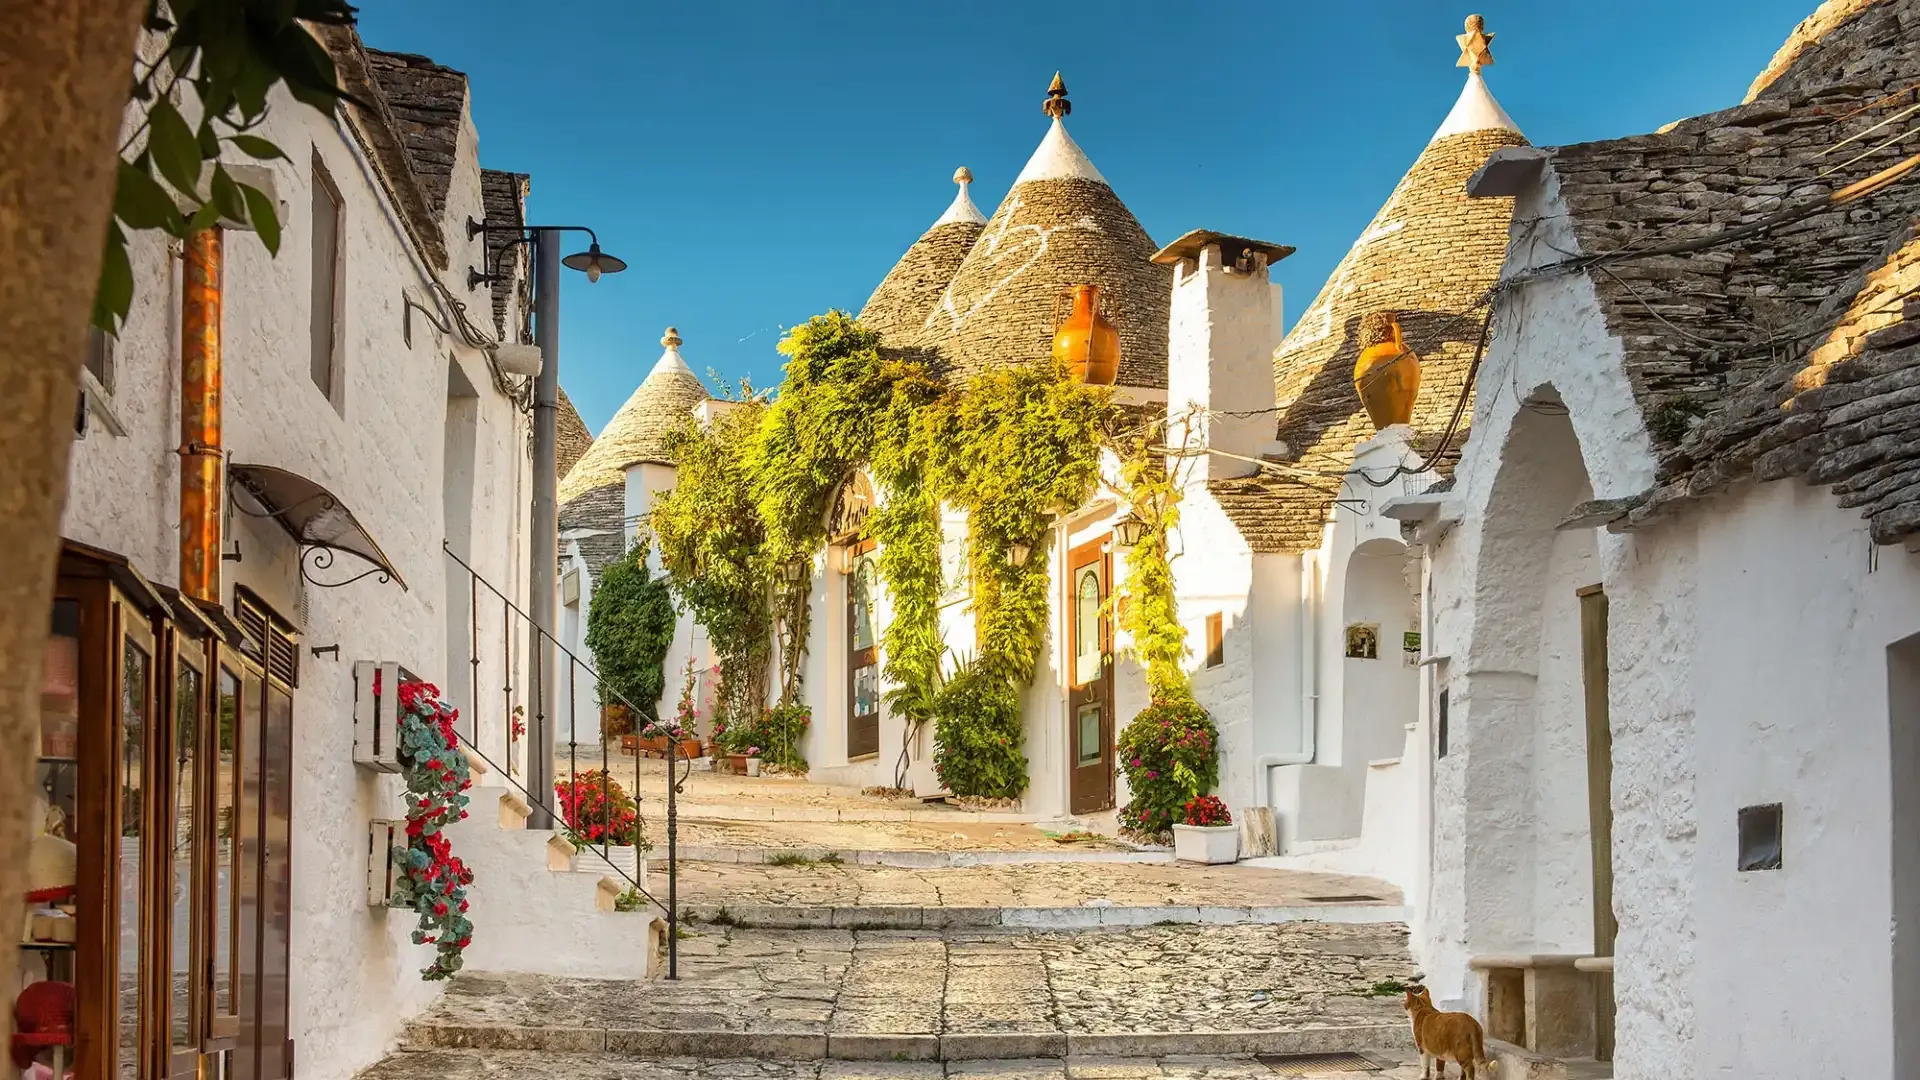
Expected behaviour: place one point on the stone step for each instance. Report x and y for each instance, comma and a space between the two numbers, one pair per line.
532, 1065
1084, 917
766, 1045
823, 814
907, 859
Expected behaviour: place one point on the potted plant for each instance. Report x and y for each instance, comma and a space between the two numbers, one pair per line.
1207, 834
600, 816
753, 761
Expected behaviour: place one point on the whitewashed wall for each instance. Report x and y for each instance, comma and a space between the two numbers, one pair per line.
1748, 664
356, 977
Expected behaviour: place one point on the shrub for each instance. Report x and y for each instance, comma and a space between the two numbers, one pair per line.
1205, 811
629, 628
598, 810
977, 735
1170, 756
774, 736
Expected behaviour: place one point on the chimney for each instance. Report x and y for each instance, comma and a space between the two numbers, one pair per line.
1224, 325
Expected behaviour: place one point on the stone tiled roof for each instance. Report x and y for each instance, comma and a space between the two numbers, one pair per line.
428, 100
374, 123
639, 430
599, 514
898, 308
1781, 353
505, 196
1428, 256
573, 438
1060, 225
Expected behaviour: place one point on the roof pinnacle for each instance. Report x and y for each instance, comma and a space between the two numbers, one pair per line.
1057, 104
963, 176
1476, 45
671, 339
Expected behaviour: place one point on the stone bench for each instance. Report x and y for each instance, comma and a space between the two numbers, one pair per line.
1543, 1002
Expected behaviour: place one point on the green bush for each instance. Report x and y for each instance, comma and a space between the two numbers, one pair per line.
629, 629
774, 737
1170, 754
977, 735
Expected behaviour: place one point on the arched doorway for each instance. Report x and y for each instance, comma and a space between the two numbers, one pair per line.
1530, 708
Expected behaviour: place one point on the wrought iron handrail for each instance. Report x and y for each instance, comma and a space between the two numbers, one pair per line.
675, 776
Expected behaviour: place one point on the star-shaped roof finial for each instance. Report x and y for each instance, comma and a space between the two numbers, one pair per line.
1476, 45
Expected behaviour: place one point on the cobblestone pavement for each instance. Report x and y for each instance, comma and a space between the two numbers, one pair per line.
1073, 884
959, 835
716, 788
842, 982
526, 1065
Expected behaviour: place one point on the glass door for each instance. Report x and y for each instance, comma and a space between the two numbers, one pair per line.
863, 651
1090, 679
181, 870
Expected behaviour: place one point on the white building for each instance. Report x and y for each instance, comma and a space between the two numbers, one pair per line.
363, 422
1675, 683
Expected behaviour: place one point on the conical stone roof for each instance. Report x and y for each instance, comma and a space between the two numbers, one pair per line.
1427, 257
1059, 226
638, 431
898, 308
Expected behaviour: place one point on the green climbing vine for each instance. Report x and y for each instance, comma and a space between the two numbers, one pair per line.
713, 543
630, 629
1170, 751
1012, 448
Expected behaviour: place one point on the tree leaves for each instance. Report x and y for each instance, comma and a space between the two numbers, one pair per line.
231, 53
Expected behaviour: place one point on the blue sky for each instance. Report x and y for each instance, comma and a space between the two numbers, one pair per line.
759, 162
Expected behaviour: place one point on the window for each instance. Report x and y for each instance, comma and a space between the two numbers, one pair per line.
1216, 640
99, 361
1440, 726
327, 284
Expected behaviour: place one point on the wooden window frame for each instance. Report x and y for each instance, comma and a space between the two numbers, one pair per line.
334, 325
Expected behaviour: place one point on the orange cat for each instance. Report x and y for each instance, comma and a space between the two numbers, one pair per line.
1442, 1035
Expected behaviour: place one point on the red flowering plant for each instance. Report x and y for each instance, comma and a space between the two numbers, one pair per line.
598, 810
433, 881
1169, 754
1205, 811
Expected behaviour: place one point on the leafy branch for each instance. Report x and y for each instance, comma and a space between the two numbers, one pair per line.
232, 53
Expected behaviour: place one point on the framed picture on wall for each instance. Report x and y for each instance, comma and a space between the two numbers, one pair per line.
1363, 641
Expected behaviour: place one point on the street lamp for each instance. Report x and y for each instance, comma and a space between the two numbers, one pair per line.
793, 570
1128, 530
593, 262
1017, 555
545, 540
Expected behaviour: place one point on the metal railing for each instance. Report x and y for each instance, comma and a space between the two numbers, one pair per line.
675, 776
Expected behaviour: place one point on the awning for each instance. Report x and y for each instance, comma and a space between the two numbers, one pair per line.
312, 515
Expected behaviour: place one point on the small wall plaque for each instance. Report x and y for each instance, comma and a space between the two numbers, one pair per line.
1363, 641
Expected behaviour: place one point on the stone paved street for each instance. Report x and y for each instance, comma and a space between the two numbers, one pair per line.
526, 1065
965, 832
1174, 979
1070, 884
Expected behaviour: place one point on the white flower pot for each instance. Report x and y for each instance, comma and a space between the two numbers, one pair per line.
753, 766
1206, 843
622, 857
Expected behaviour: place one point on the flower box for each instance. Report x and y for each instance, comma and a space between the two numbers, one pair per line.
376, 714
1206, 843
595, 859
386, 842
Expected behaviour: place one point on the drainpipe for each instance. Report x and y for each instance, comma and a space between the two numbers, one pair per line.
1309, 681
201, 497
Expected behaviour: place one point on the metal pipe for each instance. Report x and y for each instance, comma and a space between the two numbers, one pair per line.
1309, 684
544, 548
201, 498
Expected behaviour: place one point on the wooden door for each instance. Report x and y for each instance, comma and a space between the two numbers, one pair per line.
1593, 655
863, 651
1090, 679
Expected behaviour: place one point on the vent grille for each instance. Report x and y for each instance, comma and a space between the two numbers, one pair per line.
269, 637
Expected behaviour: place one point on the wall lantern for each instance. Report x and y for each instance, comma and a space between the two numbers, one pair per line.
593, 262
1128, 530
793, 571
1017, 555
